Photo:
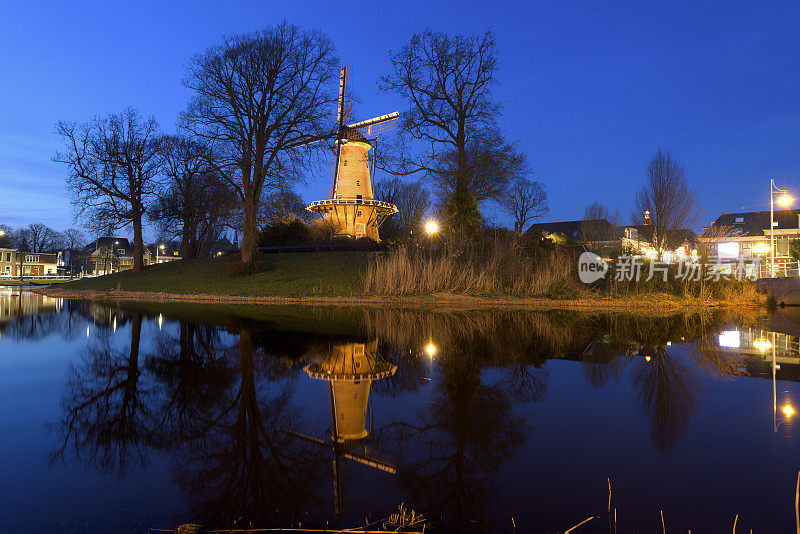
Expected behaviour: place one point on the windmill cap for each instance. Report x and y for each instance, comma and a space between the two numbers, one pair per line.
351, 134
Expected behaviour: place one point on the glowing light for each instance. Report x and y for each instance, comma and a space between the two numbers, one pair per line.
431, 350
647, 358
785, 200
788, 410
730, 339
431, 227
160, 321
762, 345
87, 331
651, 254
115, 324
760, 248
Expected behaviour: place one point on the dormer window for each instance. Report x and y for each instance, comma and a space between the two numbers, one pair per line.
739, 220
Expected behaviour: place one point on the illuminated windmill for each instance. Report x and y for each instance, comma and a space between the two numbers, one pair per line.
351, 206
349, 368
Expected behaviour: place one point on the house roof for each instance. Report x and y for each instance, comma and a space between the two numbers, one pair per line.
756, 223
568, 228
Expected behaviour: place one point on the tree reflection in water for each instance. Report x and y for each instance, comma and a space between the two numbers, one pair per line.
107, 421
220, 403
239, 466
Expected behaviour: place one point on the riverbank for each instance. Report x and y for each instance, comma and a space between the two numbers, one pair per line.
338, 279
651, 305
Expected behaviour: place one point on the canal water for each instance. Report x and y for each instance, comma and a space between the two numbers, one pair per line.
129, 417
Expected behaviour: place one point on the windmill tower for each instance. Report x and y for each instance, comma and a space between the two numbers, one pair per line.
349, 368
352, 206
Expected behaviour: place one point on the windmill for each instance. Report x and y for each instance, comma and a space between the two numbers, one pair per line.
349, 368
352, 206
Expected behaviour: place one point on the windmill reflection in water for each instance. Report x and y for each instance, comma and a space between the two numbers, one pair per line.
350, 367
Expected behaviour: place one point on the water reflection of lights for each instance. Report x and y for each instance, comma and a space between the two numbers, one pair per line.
730, 339
87, 331
160, 321
762, 345
431, 349
114, 325
788, 411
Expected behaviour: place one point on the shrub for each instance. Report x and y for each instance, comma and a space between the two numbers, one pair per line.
282, 233
236, 267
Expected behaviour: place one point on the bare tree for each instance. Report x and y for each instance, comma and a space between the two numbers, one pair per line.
492, 166
73, 241
412, 201
448, 83
5, 236
113, 171
197, 200
40, 238
665, 203
599, 226
525, 200
281, 207
257, 96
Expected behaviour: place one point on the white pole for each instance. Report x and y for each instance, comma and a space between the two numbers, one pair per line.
771, 230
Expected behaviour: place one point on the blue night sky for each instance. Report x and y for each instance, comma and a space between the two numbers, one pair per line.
591, 89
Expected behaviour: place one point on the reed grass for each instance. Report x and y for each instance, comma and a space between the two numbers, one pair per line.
495, 267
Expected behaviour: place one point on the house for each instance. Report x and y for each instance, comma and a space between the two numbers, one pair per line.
603, 236
107, 255
32, 263
8, 261
599, 234
747, 235
164, 253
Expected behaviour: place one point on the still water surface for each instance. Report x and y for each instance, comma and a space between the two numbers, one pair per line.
129, 417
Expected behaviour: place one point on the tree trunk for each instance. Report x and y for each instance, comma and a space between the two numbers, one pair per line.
138, 252
185, 245
249, 229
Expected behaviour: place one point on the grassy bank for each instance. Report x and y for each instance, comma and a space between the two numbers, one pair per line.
397, 279
328, 274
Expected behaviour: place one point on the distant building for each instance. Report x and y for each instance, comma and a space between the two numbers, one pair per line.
8, 260
164, 253
747, 235
107, 255
222, 246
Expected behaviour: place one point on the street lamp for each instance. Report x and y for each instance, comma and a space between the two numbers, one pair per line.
161, 246
431, 227
784, 200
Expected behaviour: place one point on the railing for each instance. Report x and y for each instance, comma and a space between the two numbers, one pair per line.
359, 201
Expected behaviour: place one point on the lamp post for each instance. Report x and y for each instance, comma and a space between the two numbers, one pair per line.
161, 246
784, 200
787, 410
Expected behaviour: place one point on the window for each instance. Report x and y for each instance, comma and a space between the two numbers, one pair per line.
774, 224
739, 220
344, 164
728, 250
121, 251
8, 256
358, 182
358, 197
360, 229
358, 214
782, 246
